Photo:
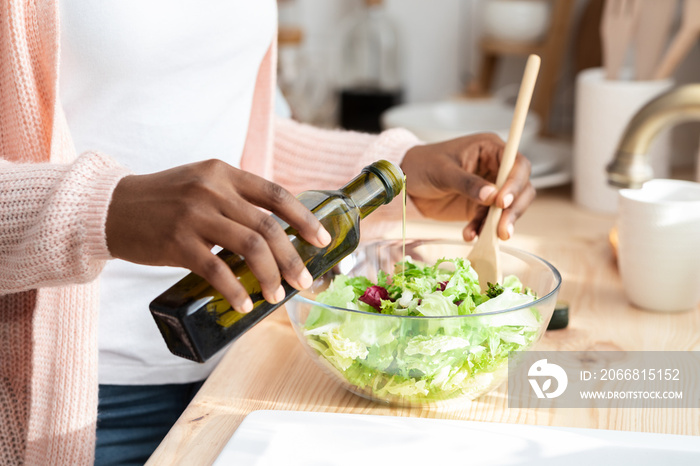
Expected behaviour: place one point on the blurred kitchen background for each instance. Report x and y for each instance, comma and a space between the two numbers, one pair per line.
470, 52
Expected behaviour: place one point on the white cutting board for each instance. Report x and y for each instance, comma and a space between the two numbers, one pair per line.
291, 438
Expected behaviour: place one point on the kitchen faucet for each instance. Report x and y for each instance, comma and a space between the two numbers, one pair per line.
630, 167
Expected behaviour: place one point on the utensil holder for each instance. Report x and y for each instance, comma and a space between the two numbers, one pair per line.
602, 110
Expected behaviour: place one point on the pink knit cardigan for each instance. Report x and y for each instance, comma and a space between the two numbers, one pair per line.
53, 207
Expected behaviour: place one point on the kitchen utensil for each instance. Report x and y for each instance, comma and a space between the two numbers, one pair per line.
484, 257
587, 45
602, 109
617, 29
651, 36
412, 360
658, 252
683, 41
343, 439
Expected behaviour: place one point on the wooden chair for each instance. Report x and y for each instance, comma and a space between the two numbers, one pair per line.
551, 49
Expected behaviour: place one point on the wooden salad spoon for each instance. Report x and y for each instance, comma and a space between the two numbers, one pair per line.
484, 256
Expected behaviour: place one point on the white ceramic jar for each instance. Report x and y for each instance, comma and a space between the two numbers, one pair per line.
516, 20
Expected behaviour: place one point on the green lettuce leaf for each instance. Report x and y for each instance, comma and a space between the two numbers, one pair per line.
422, 359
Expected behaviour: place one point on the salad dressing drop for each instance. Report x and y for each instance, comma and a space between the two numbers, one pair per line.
196, 321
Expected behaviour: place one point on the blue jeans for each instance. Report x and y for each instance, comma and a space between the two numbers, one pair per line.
133, 420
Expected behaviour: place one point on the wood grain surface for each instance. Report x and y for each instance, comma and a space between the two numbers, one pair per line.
267, 368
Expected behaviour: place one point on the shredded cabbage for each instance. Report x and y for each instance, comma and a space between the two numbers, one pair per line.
422, 360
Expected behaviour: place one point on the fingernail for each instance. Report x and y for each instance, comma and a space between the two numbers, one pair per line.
323, 236
486, 192
305, 279
510, 229
468, 230
247, 306
279, 295
508, 200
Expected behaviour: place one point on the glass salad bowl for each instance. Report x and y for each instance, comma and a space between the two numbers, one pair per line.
459, 351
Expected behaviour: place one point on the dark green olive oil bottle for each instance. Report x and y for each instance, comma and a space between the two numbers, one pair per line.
196, 321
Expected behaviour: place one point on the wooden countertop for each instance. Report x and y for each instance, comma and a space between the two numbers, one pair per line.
267, 368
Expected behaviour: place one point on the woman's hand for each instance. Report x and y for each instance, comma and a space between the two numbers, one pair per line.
454, 180
175, 217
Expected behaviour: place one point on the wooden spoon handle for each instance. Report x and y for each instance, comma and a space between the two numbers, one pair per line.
522, 104
484, 254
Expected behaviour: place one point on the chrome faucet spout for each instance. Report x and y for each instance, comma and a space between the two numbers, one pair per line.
631, 167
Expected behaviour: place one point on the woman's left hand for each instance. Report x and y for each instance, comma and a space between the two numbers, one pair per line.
454, 180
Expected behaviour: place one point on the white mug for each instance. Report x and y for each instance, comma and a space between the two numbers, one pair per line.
659, 244
603, 109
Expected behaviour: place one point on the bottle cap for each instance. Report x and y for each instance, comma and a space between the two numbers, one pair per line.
560, 316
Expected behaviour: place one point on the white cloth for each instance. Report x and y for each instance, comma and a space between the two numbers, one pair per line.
156, 84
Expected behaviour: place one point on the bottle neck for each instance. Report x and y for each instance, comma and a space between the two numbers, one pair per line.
377, 185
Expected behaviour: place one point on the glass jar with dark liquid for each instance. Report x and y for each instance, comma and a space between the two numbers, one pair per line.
196, 321
369, 78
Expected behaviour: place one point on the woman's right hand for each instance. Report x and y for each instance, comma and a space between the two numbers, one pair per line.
175, 217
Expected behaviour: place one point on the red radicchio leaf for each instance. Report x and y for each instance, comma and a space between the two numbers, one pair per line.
441, 286
374, 295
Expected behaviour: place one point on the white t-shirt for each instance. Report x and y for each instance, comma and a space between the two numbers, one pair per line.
156, 84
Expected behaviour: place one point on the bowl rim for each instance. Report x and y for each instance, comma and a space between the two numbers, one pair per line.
557, 277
